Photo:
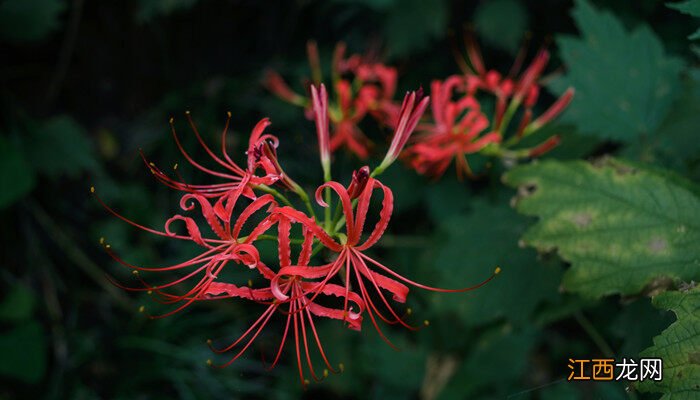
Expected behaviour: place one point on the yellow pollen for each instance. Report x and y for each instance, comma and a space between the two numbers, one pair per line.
92, 189
409, 311
325, 373
208, 341
151, 164
149, 292
341, 367
109, 246
102, 240
135, 272
228, 113
175, 166
172, 119
497, 271
209, 362
306, 382
250, 283
426, 322
187, 112
142, 309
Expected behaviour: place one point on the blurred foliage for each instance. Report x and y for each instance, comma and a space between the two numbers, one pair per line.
690, 7
86, 85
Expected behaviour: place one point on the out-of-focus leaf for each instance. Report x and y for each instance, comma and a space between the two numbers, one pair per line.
621, 227
402, 371
617, 97
149, 9
16, 177
690, 7
647, 322
29, 20
679, 132
678, 346
373, 4
23, 350
499, 357
60, 147
501, 23
18, 304
412, 24
474, 244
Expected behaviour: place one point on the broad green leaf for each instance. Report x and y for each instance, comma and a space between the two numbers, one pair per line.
501, 23
620, 98
60, 147
474, 244
622, 228
690, 7
23, 350
16, 176
29, 20
678, 134
678, 346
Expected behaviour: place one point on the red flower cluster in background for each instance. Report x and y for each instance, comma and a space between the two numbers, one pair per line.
228, 219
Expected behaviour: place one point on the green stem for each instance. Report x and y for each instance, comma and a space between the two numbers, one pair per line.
593, 333
275, 193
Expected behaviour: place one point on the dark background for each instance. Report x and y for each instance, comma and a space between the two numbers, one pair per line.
86, 84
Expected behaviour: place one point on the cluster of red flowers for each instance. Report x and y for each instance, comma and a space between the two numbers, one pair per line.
250, 204
458, 125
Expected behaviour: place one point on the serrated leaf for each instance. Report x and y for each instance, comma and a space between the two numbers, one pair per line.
622, 228
16, 176
620, 98
60, 146
501, 23
678, 346
690, 7
475, 243
29, 20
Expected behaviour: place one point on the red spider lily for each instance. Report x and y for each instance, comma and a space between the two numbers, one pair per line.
352, 263
361, 87
290, 295
457, 129
261, 155
227, 246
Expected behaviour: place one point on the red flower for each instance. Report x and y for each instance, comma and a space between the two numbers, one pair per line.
362, 86
260, 156
457, 129
369, 275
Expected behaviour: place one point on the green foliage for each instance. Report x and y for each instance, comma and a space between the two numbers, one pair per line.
65, 148
690, 7
23, 351
501, 23
29, 20
678, 346
621, 227
16, 177
413, 24
620, 98
468, 255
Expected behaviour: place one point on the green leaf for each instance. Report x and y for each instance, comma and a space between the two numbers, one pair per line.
16, 176
618, 98
18, 304
678, 346
29, 20
678, 133
413, 24
23, 350
501, 23
60, 147
474, 244
622, 228
690, 7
